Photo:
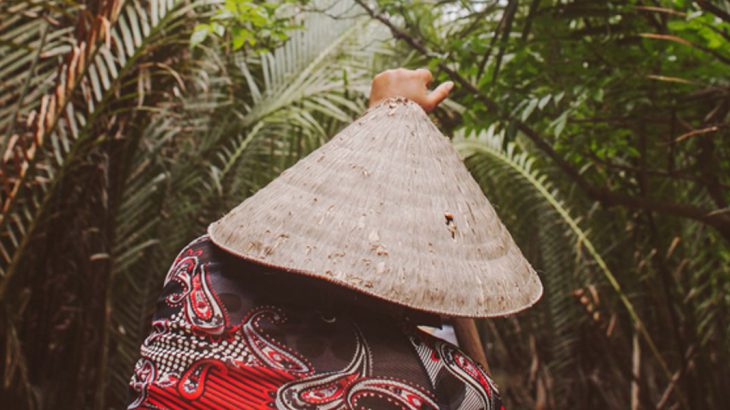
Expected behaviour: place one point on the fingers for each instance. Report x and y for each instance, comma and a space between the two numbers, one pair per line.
411, 84
439, 94
425, 75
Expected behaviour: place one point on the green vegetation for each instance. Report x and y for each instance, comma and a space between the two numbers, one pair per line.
599, 130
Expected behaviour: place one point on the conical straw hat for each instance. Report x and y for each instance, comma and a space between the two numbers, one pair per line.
387, 208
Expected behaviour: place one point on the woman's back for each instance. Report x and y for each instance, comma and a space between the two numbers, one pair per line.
231, 334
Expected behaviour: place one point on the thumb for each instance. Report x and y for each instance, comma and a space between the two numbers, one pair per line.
439, 94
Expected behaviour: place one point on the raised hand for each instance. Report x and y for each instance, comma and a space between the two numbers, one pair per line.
412, 84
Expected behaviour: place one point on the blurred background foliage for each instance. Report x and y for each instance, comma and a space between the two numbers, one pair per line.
598, 129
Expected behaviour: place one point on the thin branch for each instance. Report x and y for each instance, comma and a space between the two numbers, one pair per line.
661, 10
680, 40
672, 12
488, 51
670, 79
695, 133
528, 21
510, 12
689, 357
326, 11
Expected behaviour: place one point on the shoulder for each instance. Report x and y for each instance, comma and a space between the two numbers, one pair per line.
448, 367
190, 255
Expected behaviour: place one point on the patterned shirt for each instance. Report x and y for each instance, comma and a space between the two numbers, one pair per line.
231, 334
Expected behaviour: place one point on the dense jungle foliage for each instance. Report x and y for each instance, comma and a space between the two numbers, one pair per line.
598, 129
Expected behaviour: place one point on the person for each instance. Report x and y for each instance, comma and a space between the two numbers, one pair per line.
231, 333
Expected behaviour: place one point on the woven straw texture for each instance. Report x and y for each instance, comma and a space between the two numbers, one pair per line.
387, 208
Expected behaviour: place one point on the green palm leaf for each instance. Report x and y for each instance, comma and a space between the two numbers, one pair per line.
486, 149
242, 120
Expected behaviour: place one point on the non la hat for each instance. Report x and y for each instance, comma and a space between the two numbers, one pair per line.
387, 208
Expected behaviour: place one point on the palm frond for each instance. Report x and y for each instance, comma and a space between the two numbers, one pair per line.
493, 162
82, 110
237, 116
290, 101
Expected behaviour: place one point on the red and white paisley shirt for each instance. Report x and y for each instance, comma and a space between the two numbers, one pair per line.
230, 334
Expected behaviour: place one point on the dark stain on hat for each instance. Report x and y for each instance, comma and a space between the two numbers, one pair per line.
450, 224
